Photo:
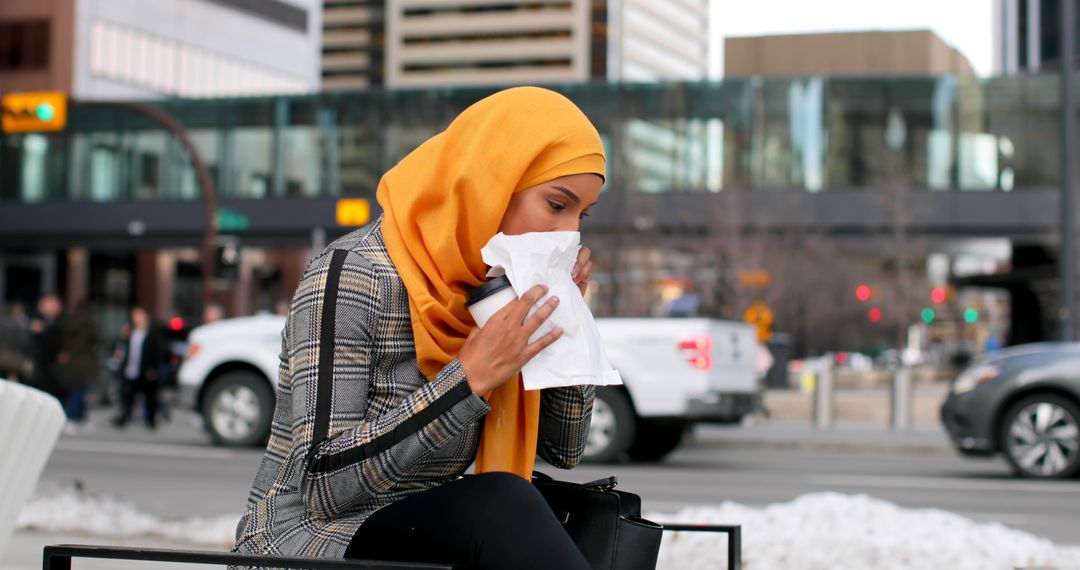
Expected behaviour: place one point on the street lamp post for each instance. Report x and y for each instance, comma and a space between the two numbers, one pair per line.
1068, 128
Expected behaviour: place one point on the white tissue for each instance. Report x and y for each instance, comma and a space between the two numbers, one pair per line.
547, 258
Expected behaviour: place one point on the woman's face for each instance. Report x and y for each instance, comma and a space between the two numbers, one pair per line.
554, 206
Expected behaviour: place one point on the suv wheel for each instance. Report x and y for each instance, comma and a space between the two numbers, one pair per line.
1041, 437
611, 430
238, 408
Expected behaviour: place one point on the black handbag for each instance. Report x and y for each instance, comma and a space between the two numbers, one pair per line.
605, 524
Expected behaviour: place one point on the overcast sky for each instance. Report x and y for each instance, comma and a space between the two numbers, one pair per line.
964, 24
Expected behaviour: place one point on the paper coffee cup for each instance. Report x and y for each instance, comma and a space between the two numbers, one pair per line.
487, 299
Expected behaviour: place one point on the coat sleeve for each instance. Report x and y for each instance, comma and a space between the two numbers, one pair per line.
565, 414
350, 454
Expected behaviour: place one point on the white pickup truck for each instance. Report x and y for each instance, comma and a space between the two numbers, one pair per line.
676, 372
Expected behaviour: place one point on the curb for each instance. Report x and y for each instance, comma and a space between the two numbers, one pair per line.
827, 445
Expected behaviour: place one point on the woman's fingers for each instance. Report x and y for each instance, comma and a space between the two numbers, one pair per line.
583, 257
541, 315
543, 342
522, 306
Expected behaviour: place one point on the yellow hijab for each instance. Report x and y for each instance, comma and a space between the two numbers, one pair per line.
445, 200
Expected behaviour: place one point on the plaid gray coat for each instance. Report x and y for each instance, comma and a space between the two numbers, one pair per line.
357, 426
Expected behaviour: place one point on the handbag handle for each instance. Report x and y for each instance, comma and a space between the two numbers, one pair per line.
603, 484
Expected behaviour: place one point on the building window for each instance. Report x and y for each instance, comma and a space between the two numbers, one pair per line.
24, 46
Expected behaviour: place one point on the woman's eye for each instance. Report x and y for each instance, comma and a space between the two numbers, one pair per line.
584, 215
557, 206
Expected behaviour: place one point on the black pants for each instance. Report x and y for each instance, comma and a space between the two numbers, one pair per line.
149, 390
495, 520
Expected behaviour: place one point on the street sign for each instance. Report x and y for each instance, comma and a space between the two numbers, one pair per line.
36, 112
232, 221
761, 315
353, 212
755, 279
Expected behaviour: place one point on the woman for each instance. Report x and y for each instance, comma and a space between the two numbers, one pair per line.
387, 390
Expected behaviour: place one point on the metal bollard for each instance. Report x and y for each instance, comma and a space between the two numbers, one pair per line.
823, 397
900, 399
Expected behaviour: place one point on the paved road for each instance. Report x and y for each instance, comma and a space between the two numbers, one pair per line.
174, 474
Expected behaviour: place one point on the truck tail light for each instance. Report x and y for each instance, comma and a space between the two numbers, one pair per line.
696, 343
697, 350
702, 362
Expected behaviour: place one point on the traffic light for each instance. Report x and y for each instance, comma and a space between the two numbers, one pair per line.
938, 295
35, 112
863, 292
928, 315
874, 315
971, 315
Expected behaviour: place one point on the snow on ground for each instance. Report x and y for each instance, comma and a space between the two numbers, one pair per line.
816, 531
838, 532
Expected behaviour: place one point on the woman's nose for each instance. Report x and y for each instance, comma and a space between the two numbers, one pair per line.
568, 226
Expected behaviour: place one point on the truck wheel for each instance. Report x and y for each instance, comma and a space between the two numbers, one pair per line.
656, 439
238, 408
612, 428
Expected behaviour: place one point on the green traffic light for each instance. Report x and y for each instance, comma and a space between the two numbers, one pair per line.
45, 112
928, 315
971, 315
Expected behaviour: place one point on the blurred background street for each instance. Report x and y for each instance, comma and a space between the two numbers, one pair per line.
836, 253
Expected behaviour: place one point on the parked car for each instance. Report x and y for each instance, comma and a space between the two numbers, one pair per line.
1022, 402
676, 372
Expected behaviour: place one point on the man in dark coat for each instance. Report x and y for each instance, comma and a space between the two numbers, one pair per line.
46, 336
141, 368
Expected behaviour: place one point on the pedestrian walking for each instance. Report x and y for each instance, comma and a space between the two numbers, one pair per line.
388, 391
45, 330
16, 361
141, 369
80, 362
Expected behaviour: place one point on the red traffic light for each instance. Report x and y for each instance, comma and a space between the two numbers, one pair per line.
863, 292
176, 323
938, 295
874, 315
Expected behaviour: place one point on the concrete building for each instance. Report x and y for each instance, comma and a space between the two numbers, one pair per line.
352, 44
487, 42
1026, 36
917, 52
132, 49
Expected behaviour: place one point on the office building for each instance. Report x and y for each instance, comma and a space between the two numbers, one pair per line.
134, 49
917, 52
1027, 36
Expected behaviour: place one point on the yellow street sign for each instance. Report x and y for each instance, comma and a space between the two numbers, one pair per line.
35, 112
761, 315
755, 279
353, 212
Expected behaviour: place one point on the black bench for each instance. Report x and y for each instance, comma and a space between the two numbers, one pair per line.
58, 557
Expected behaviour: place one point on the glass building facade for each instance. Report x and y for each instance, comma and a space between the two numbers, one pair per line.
802, 134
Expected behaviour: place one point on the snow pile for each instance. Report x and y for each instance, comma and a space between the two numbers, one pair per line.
66, 509
837, 532
817, 531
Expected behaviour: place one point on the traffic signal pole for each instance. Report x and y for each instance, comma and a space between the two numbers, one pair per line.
1067, 261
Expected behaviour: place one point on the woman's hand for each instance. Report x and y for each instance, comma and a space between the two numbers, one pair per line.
582, 270
496, 352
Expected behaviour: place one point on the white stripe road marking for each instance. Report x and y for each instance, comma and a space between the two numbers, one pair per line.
153, 449
943, 483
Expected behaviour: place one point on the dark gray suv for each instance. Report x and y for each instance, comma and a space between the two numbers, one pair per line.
1023, 402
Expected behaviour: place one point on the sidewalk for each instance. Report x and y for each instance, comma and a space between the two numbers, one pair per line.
845, 436
861, 424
